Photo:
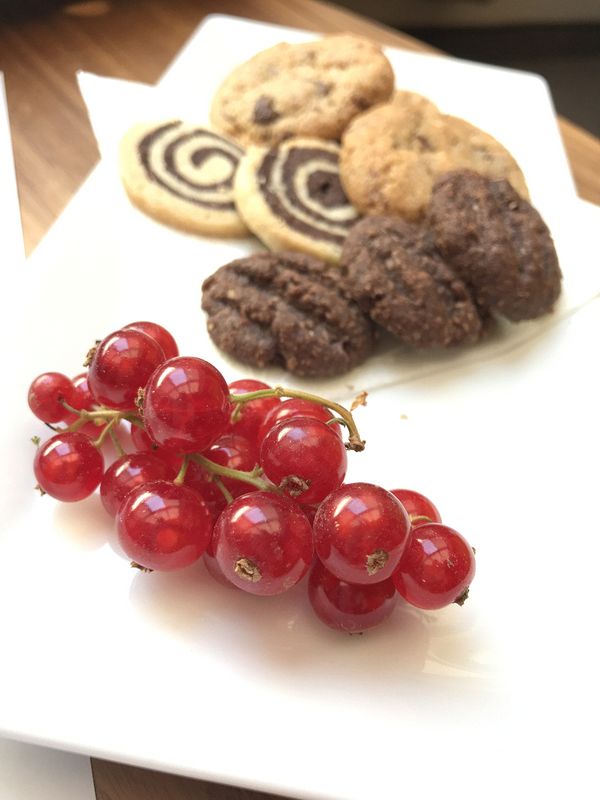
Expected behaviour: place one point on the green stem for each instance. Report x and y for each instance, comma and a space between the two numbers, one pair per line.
106, 431
354, 440
225, 472
224, 490
182, 471
116, 442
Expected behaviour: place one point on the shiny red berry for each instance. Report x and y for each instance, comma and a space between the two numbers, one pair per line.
201, 482
296, 407
68, 466
437, 567
417, 506
252, 414
305, 458
186, 404
361, 531
144, 444
234, 452
162, 526
121, 365
127, 473
349, 607
159, 334
263, 543
45, 396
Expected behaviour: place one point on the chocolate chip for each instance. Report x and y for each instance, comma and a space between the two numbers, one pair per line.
322, 88
264, 111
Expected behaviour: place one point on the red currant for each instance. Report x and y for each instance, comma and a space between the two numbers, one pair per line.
128, 472
361, 531
296, 407
82, 400
162, 526
186, 404
122, 363
234, 452
45, 395
417, 505
437, 567
197, 479
348, 607
144, 444
68, 466
252, 414
160, 335
305, 458
263, 543
213, 568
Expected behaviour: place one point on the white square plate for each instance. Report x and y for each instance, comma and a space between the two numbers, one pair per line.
178, 673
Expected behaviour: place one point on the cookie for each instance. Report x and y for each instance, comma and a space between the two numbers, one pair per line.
311, 89
392, 155
286, 309
182, 175
395, 274
471, 148
497, 242
291, 197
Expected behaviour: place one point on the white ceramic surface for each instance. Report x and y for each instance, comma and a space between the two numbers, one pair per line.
178, 673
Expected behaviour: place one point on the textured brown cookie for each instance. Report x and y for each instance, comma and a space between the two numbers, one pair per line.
287, 309
311, 89
497, 242
398, 278
291, 197
392, 154
182, 175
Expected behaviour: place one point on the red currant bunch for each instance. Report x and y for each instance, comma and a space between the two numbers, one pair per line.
248, 476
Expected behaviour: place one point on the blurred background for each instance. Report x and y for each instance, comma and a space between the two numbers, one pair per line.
559, 40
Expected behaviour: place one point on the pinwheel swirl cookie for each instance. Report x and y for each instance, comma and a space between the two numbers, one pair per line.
291, 197
182, 175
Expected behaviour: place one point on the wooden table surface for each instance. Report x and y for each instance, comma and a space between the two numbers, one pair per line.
55, 150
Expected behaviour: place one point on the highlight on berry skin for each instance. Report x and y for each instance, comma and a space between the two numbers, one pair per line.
248, 478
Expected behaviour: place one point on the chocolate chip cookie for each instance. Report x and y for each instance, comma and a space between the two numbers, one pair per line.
398, 278
182, 175
286, 309
392, 154
291, 197
311, 89
497, 242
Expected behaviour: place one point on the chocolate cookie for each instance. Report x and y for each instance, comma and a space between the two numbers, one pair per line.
398, 278
287, 309
311, 89
392, 154
182, 175
497, 242
291, 197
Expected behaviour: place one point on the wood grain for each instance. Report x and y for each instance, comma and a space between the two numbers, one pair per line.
55, 150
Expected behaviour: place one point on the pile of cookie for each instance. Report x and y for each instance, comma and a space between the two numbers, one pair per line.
379, 210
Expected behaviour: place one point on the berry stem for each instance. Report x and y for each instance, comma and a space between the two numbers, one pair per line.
224, 490
106, 431
354, 440
182, 471
116, 442
226, 472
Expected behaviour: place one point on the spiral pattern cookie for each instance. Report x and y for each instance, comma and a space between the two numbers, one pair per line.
312, 89
291, 197
286, 309
182, 175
